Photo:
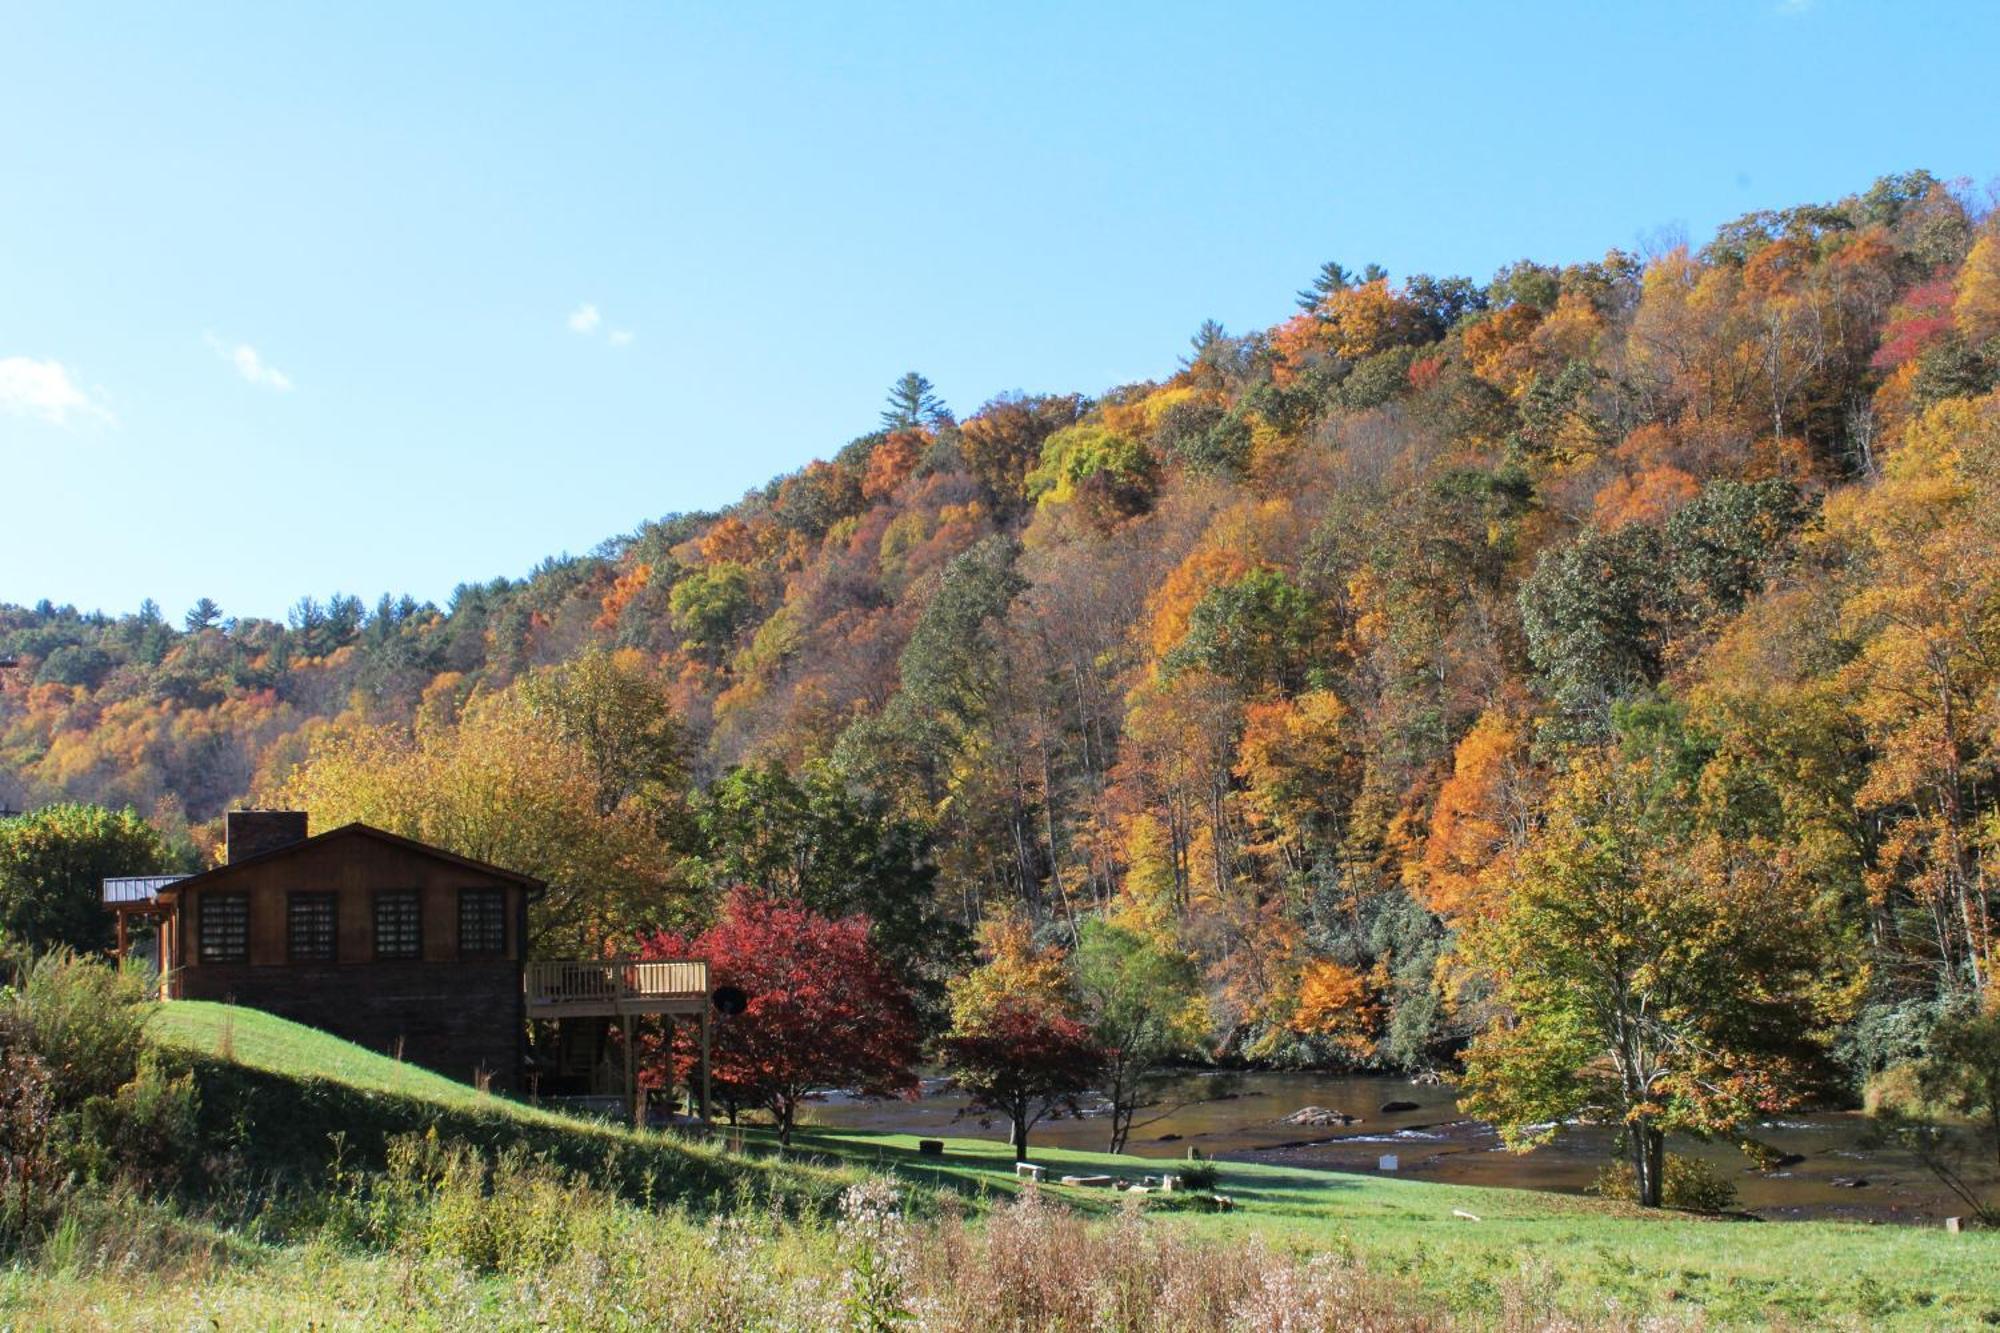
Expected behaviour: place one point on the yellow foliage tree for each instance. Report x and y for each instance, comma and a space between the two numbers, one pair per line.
1482, 815
1338, 1003
1013, 970
1976, 309
1928, 659
504, 786
1294, 761
1369, 318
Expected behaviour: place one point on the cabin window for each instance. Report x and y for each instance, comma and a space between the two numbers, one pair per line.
310, 927
224, 928
398, 925
482, 921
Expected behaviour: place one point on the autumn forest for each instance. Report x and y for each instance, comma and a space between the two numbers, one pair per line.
1349, 661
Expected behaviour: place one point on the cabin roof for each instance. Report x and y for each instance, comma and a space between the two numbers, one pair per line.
136, 888
172, 887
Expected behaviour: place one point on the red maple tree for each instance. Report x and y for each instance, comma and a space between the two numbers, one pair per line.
824, 1010
1023, 1061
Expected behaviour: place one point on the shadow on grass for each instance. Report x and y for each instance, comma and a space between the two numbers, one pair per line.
1283, 1186
972, 1177
283, 1132
979, 1173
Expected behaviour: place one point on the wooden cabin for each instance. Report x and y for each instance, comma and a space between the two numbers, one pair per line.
395, 945
392, 944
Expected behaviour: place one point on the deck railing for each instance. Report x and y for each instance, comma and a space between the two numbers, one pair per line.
614, 984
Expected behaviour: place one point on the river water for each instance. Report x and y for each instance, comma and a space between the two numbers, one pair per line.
1241, 1117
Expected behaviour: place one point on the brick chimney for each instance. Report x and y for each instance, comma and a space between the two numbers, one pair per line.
251, 833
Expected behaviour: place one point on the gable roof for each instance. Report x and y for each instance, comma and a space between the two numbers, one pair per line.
345, 832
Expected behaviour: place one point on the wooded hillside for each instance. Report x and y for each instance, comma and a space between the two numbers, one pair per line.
1295, 658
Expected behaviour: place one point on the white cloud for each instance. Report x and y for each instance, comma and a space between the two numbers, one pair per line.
252, 367
586, 320
43, 389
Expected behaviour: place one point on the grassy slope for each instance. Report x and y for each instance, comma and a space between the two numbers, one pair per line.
279, 1093
1743, 1271
264, 1041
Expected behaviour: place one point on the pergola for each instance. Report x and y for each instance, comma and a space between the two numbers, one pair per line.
138, 895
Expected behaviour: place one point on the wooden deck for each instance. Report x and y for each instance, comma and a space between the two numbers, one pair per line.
616, 987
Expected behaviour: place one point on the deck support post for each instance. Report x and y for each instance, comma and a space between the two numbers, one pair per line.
121, 938
704, 1066
632, 1102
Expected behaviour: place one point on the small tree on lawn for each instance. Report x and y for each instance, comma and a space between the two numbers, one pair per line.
1145, 1007
1654, 971
825, 1010
1015, 1046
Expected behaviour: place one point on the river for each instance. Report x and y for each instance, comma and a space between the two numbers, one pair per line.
1241, 1117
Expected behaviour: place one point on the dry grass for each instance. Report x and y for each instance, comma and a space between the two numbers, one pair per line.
1030, 1264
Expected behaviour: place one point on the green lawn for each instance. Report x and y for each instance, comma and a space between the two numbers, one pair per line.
297, 1086
1738, 1271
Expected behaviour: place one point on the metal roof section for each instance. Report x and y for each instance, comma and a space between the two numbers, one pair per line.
137, 888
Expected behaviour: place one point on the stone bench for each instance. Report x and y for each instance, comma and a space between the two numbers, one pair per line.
1092, 1182
1028, 1171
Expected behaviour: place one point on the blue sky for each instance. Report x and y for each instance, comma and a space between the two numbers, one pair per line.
367, 297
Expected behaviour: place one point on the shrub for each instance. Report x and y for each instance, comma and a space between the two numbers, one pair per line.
81, 1091
1899, 1090
1688, 1183
1883, 1036
15, 955
441, 1199
144, 1133
1199, 1175
85, 1020
31, 1178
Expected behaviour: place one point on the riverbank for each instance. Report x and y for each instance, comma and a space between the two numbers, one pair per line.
1837, 1175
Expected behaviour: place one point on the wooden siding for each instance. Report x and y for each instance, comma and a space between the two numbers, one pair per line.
456, 1014
354, 870
463, 1021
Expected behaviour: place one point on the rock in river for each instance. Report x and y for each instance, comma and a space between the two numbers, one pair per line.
1397, 1108
1319, 1117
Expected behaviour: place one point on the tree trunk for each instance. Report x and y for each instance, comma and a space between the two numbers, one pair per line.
1021, 1137
1648, 1147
